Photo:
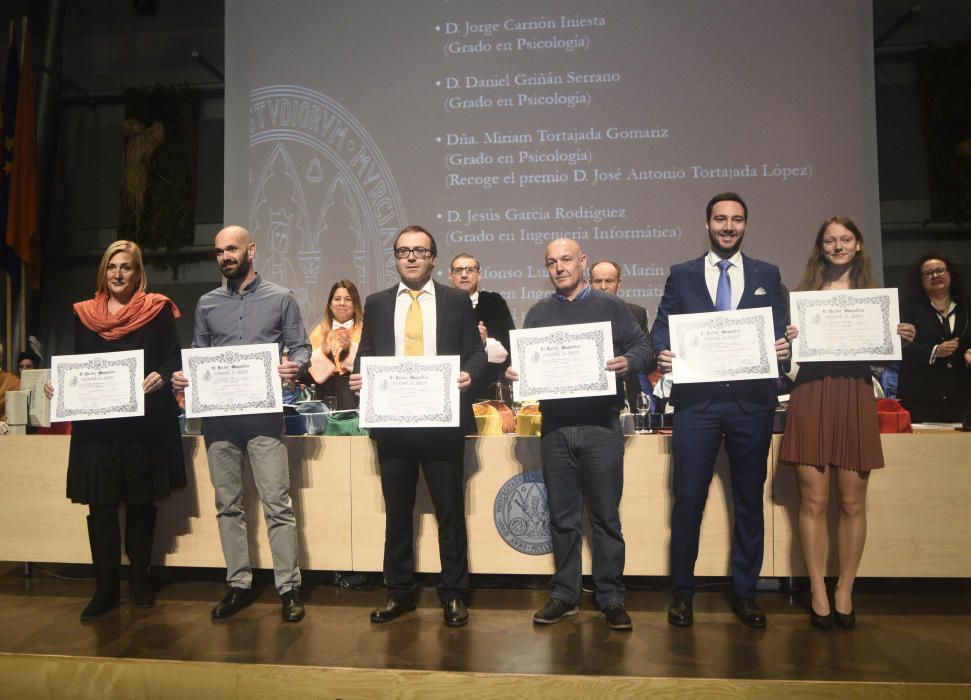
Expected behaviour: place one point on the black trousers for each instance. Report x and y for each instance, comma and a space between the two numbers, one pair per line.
440, 454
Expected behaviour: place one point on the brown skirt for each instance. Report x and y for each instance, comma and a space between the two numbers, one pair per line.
832, 420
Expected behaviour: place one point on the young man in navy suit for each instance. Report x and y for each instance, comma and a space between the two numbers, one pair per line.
741, 411
445, 325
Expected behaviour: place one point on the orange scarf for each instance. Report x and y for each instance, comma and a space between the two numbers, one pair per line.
141, 309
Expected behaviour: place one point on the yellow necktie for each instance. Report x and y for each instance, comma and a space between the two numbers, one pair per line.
414, 331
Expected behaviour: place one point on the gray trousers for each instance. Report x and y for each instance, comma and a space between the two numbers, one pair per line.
271, 472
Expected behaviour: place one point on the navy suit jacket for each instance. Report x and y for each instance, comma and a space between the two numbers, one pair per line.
456, 333
687, 293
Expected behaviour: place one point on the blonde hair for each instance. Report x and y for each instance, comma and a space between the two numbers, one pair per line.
136, 258
816, 274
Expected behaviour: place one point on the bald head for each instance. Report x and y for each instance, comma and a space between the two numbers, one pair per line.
235, 251
235, 233
565, 264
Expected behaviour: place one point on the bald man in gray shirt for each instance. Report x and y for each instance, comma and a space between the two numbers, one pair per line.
249, 310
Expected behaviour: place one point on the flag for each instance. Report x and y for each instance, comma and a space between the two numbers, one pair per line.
23, 233
9, 261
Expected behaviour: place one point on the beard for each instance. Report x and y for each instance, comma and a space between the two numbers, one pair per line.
239, 272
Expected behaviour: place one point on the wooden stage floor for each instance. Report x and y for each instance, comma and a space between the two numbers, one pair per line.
913, 638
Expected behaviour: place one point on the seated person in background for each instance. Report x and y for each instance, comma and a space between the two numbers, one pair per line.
334, 342
495, 322
8, 382
935, 374
605, 276
27, 360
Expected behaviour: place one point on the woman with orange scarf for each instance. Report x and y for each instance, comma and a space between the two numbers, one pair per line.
334, 342
135, 461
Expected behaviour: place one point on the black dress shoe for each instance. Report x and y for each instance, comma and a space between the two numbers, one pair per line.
292, 607
681, 611
749, 612
823, 622
394, 608
845, 620
235, 600
456, 614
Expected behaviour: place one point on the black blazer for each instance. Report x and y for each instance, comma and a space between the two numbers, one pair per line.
456, 333
938, 391
632, 382
493, 311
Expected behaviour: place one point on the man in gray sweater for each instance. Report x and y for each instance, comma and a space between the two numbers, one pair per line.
582, 447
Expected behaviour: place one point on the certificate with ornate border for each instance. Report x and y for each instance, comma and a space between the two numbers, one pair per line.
846, 324
98, 386
723, 346
562, 362
232, 380
419, 391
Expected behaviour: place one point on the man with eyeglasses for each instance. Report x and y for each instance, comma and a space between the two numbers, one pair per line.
418, 316
495, 322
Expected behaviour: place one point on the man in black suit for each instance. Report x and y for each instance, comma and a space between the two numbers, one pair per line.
605, 276
421, 317
495, 322
738, 412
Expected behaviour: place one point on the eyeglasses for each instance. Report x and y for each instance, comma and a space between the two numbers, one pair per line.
402, 253
936, 272
460, 270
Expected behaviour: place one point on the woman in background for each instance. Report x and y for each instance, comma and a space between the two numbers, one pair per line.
935, 375
832, 431
135, 461
334, 342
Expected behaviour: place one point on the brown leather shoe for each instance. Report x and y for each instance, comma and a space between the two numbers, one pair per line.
393, 609
456, 614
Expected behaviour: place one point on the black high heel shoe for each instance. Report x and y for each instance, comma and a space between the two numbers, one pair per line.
844, 620
823, 622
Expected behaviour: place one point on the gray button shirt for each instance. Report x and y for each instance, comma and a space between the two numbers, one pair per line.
263, 312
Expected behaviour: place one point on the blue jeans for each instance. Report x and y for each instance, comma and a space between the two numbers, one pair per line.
585, 464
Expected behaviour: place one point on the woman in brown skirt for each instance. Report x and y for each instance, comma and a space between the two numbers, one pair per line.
832, 429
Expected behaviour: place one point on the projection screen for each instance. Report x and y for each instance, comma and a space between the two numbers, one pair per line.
501, 125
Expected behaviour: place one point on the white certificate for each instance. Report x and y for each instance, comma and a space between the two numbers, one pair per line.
38, 405
419, 391
846, 324
723, 346
99, 385
562, 362
232, 380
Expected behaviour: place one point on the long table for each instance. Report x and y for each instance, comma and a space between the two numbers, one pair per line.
919, 522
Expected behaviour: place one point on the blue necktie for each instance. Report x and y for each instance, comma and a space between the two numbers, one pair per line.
723, 293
